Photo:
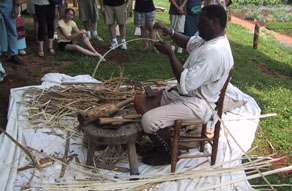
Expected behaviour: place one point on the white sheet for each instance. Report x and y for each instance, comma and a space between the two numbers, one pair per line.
11, 157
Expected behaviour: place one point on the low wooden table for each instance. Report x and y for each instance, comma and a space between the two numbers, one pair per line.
125, 134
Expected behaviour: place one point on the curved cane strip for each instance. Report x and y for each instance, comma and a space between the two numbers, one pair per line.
136, 39
245, 153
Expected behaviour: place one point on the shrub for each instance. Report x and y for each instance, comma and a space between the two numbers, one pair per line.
260, 2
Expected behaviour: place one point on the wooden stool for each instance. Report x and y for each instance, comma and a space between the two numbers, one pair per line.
125, 134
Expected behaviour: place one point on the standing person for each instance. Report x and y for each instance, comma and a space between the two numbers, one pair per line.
59, 14
115, 11
201, 77
9, 11
31, 11
177, 13
88, 13
192, 17
144, 18
68, 41
45, 13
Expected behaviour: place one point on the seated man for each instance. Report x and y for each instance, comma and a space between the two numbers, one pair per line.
202, 76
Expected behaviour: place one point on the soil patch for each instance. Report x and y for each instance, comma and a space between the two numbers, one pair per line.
36, 67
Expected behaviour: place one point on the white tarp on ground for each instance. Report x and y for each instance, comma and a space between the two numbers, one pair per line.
12, 158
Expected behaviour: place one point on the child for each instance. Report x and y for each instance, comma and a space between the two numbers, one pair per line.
177, 18
144, 17
20, 28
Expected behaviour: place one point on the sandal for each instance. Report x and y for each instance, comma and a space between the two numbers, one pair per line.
41, 53
51, 50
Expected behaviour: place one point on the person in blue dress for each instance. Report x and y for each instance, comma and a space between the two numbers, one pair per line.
192, 17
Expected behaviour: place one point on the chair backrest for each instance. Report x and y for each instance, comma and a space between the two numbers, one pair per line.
222, 95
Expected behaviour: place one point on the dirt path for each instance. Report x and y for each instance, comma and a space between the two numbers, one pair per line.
251, 26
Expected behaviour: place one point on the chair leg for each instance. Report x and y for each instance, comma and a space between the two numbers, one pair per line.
215, 144
175, 148
203, 135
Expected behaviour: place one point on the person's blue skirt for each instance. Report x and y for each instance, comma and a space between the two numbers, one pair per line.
192, 18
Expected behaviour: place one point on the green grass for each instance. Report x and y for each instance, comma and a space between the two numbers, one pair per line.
273, 94
281, 27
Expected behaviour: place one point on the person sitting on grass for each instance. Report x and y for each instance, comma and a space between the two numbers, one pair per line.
68, 41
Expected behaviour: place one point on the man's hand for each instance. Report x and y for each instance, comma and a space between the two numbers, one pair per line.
15, 11
163, 47
165, 29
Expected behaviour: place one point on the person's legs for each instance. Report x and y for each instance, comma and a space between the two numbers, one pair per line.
41, 48
94, 31
59, 14
35, 26
110, 21
61, 10
70, 47
144, 34
153, 37
6, 9
113, 36
112, 31
86, 41
56, 23
87, 28
150, 20
93, 25
40, 12
165, 115
121, 18
140, 21
177, 23
122, 29
50, 26
156, 123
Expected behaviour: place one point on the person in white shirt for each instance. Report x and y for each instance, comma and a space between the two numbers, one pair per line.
68, 41
202, 75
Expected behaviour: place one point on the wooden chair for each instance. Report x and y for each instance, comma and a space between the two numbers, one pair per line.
203, 138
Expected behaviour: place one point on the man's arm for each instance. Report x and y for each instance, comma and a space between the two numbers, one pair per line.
176, 67
180, 39
101, 7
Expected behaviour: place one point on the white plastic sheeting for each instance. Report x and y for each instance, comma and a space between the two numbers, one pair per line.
12, 158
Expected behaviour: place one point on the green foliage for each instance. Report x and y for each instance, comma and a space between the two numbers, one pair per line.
280, 15
281, 27
275, 180
258, 2
272, 93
